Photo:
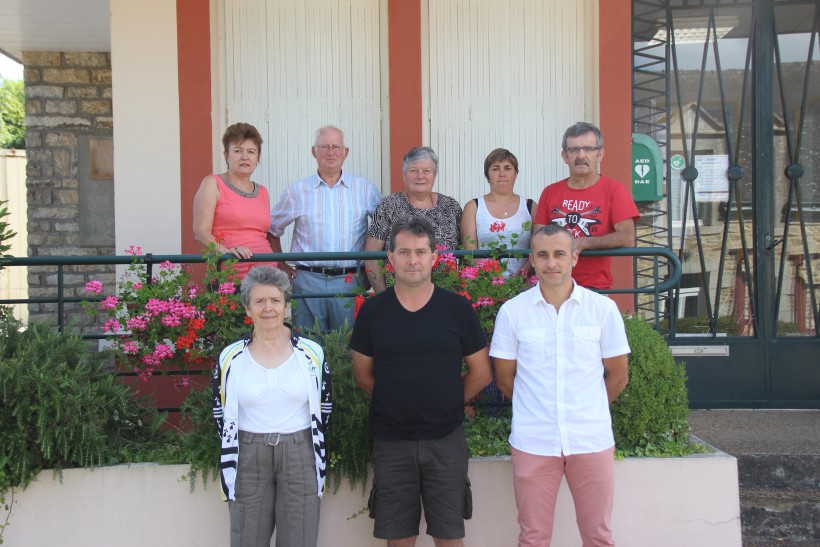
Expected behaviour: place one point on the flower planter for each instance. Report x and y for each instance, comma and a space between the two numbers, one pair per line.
658, 501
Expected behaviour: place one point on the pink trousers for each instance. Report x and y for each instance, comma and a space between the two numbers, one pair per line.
591, 480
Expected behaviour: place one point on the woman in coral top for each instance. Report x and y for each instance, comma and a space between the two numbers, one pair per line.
229, 208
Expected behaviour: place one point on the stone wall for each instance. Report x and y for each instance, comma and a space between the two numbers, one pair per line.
69, 130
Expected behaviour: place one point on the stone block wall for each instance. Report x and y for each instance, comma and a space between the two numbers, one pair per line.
68, 105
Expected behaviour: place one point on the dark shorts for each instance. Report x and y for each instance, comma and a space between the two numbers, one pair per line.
408, 474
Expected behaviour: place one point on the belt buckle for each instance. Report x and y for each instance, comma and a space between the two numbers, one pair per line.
268, 438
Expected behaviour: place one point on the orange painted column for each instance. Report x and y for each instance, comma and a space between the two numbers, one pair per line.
615, 80
404, 46
194, 57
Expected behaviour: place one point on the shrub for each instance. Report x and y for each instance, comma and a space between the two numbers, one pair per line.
650, 417
61, 407
348, 439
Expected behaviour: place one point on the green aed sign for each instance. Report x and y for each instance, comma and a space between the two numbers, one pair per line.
647, 169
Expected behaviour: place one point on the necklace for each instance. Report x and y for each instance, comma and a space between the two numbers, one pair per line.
252, 194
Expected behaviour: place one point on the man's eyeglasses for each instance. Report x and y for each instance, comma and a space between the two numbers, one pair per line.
329, 147
587, 149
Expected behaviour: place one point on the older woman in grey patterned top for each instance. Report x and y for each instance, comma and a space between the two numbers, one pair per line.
419, 169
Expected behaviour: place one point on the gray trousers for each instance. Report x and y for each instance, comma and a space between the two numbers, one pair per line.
276, 488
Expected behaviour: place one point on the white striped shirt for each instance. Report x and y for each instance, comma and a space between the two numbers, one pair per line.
326, 218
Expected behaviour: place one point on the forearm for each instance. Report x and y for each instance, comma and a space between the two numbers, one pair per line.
474, 383
608, 241
615, 384
375, 276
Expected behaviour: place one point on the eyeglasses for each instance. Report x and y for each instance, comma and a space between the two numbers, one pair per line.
587, 149
329, 147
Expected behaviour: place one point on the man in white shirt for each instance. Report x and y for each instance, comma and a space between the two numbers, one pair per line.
329, 211
561, 355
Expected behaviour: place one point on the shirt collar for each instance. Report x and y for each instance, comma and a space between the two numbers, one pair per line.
577, 294
342, 180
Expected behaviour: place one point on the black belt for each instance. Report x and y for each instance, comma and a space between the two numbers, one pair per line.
327, 271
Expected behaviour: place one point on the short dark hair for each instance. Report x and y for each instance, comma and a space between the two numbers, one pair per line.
418, 226
417, 154
240, 132
496, 156
582, 128
264, 275
553, 229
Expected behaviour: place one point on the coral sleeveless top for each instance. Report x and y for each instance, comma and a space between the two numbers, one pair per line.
242, 219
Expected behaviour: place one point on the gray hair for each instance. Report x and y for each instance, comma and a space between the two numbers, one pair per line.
418, 226
325, 128
264, 275
419, 153
582, 128
553, 229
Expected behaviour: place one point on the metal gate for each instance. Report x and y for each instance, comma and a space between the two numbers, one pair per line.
730, 91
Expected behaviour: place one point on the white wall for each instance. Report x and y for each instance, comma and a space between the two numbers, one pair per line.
14, 281
673, 502
146, 125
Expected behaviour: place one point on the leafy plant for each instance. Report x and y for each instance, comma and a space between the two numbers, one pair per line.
169, 319
348, 439
5, 232
650, 417
62, 408
12, 114
488, 435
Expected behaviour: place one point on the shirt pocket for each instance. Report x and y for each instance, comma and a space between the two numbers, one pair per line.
587, 344
531, 346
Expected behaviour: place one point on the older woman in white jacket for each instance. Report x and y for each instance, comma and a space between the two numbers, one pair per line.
272, 396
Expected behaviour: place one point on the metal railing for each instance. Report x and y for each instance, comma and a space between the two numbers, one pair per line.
150, 260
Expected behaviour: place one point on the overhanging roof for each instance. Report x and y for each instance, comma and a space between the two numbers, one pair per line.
54, 25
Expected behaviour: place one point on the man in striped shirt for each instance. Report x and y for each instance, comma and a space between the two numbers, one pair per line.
329, 211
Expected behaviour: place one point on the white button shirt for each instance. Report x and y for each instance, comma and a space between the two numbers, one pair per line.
560, 404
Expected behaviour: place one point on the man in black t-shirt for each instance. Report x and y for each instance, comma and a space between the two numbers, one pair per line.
408, 345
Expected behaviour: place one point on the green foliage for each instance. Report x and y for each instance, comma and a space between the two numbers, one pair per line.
5, 232
61, 407
348, 438
650, 417
12, 114
488, 435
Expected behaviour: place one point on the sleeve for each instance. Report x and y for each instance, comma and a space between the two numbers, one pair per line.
326, 394
504, 344
472, 339
542, 214
613, 333
282, 213
374, 197
380, 226
622, 206
216, 386
359, 338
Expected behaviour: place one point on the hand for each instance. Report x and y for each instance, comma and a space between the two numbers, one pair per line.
240, 252
285, 267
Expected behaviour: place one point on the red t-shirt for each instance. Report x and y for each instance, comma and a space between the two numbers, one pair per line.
593, 211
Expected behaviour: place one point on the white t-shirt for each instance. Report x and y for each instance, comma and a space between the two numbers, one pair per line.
273, 400
560, 404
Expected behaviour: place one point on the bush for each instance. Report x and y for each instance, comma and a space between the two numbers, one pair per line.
650, 417
348, 439
61, 407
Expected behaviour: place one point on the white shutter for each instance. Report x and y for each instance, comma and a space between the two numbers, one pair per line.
511, 74
292, 66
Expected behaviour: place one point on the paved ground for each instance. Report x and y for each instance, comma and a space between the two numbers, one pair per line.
740, 432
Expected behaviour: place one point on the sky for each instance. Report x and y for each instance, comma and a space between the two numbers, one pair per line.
9, 69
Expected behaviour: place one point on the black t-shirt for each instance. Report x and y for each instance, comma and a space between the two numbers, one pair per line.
418, 392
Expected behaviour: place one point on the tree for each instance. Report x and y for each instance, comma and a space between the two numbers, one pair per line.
12, 114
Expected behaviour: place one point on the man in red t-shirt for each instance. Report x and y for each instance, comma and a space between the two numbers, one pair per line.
597, 210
